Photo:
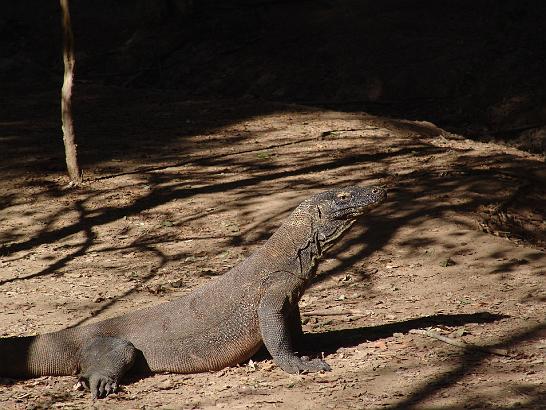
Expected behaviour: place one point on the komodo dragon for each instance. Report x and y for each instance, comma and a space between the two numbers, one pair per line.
219, 324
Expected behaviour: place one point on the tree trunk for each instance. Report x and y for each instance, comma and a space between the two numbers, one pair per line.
69, 137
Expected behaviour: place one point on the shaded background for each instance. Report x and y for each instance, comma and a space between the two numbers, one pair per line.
472, 67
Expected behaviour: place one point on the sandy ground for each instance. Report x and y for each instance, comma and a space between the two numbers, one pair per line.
174, 198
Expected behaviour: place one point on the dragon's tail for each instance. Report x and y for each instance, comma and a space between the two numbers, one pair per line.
30, 356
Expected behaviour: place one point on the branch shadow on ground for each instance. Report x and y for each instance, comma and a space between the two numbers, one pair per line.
469, 362
408, 198
412, 197
87, 230
330, 341
160, 195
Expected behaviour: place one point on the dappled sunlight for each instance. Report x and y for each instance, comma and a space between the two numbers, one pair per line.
154, 229
469, 363
200, 126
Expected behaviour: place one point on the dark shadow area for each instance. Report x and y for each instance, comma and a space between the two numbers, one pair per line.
472, 66
469, 361
121, 131
330, 341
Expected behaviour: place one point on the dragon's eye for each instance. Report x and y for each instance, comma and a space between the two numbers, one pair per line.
343, 195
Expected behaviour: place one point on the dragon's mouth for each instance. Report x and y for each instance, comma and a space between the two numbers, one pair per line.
352, 212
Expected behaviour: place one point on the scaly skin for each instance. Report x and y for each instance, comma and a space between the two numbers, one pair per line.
219, 324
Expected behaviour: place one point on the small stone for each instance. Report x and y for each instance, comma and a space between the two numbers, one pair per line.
165, 384
251, 365
177, 283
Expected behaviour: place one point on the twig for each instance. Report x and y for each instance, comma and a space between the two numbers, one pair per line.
459, 343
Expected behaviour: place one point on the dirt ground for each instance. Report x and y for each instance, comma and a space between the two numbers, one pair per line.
178, 192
